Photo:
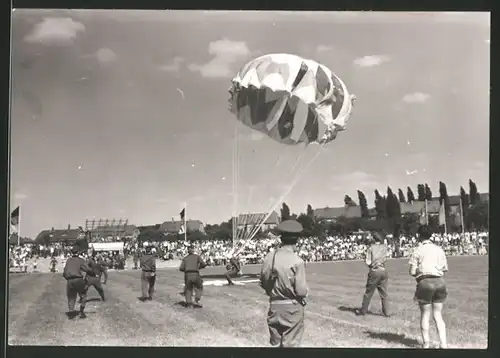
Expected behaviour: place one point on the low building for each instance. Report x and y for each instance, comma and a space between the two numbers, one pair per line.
66, 236
176, 227
333, 214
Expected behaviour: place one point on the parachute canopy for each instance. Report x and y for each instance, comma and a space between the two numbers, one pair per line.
291, 99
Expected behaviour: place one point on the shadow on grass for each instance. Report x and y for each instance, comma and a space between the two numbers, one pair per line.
245, 276
93, 300
353, 310
394, 338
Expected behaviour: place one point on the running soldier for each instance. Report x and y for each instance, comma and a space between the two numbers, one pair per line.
76, 284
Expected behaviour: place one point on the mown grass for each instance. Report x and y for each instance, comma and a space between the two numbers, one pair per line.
235, 316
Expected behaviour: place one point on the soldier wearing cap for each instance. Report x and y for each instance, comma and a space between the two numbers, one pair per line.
428, 265
148, 275
191, 266
283, 277
377, 279
76, 284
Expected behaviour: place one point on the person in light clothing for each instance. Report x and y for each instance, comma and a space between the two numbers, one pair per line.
428, 265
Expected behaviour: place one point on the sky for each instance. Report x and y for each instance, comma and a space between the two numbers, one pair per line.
124, 114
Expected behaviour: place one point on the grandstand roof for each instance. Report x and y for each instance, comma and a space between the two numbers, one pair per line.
256, 219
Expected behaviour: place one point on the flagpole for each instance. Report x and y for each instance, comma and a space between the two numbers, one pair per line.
426, 214
462, 216
19, 228
445, 225
185, 226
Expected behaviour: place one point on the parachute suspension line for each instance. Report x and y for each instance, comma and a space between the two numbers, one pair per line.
260, 220
235, 182
275, 203
287, 191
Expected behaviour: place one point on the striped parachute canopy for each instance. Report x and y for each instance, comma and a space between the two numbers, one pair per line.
291, 99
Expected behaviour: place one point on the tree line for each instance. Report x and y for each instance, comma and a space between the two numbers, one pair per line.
386, 216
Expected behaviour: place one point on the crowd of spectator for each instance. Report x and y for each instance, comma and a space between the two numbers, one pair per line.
310, 249
218, 252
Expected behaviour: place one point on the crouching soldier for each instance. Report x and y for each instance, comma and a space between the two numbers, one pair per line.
233, 270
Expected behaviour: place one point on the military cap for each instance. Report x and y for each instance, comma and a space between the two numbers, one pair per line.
289, 227
75, 250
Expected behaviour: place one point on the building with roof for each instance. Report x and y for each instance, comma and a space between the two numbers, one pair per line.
175, 227
252, 220
332, 214
67, 236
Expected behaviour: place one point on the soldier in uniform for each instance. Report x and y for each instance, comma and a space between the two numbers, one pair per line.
233, 269
148, 275
53, 263
75, 282
95, 280
104, 264
135, 255
283, 277
191, 266
375, 259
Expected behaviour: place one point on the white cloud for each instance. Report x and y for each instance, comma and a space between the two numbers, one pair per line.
323, 48
350, 182
416, 97
174, 65
105, 55
20, 196
55, 31
372, 60
225, 54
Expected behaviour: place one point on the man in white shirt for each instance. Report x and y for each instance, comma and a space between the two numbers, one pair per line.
428, 265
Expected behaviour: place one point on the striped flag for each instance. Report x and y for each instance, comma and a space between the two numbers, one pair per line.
14, 220
423, 219
182, 230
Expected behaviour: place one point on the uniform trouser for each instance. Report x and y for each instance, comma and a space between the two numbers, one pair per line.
135, 264
105, 274
377, 279
193, 280
148, 280
96, 282
229, 274
286, 324
74, 287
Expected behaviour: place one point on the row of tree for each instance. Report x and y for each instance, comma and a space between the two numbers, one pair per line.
386, 216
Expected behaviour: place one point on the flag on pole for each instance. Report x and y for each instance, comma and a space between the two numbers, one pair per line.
14, 220
182, 230
183, 214
442, 215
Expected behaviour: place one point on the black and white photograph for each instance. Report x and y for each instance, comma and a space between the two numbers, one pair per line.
189, 178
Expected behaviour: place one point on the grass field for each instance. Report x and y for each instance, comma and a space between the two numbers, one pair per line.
236, 316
